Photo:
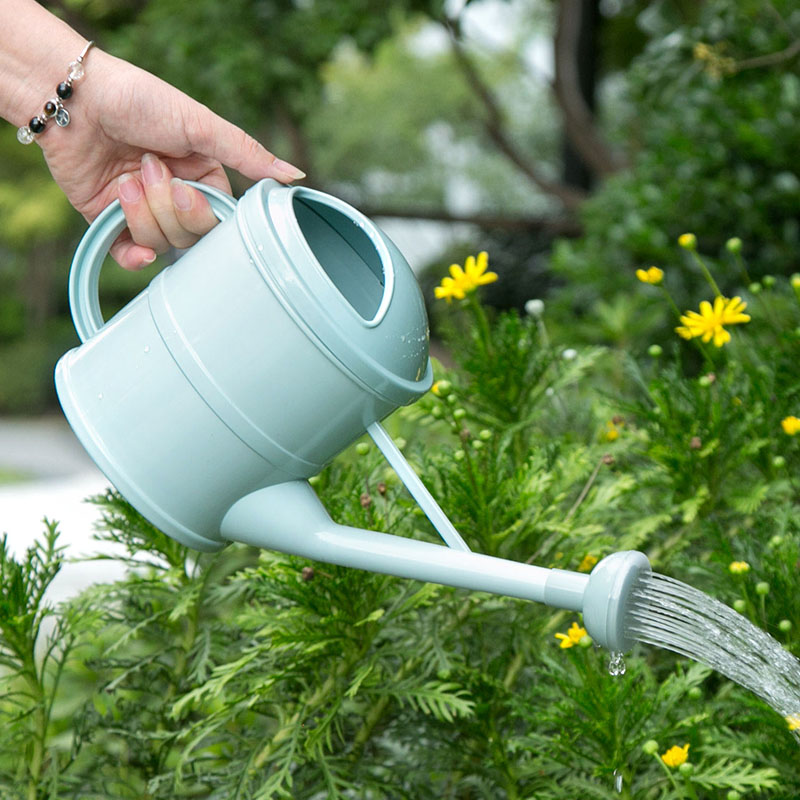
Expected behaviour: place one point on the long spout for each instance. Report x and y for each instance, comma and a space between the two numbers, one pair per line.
290, 518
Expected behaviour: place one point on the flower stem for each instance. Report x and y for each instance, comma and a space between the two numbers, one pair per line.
702, 264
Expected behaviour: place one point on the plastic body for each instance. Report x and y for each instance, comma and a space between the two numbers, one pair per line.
267, 348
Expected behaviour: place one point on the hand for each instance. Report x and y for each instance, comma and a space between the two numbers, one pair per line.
135, 137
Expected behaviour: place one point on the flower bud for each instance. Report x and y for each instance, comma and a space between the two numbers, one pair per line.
734, 245
362, 448
779, 462
754, 288
655, 350
740, 606
687, 768
695, 693
768, 281
762, 588
534, 307
585, 641
459, 413
650, 747
688, 241
485, 434
459, 455
785, 625
733, 795
477, 444
442, 388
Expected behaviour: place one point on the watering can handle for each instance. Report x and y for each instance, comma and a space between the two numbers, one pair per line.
84, 276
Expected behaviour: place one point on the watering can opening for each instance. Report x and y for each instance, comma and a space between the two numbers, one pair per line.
351, 258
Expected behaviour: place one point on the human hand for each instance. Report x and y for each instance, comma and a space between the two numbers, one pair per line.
135, 137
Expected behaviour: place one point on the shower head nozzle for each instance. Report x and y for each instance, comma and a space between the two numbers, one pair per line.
607, 598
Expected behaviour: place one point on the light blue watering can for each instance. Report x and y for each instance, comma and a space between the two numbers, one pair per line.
276, 341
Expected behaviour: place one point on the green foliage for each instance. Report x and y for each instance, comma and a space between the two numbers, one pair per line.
248, 674
713, 153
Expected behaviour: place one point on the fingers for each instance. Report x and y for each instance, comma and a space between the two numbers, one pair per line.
233, 147
130, 255
161, 212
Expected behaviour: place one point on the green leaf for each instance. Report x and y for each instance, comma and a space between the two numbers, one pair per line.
735, 774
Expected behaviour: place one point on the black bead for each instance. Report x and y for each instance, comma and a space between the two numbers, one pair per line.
36, 125
50, 108
64, 90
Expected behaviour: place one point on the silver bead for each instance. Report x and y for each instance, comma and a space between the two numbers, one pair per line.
24, 135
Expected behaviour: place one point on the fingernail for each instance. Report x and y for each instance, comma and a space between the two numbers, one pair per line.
151, 169
288, 169
180, 195
149, 258
128, 188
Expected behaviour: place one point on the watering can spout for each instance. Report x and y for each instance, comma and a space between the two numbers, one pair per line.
289, 517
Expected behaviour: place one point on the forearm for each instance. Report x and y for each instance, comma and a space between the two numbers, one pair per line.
35, 49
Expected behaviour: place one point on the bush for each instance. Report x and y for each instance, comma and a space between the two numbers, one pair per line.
255, 674
711, 131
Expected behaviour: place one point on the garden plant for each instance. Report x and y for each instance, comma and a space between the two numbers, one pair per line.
252, 674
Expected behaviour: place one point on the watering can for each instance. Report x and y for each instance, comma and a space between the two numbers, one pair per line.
278, 339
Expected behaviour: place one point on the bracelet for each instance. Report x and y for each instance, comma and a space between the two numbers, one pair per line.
55, 107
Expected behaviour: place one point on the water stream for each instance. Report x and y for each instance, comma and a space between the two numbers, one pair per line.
672, 615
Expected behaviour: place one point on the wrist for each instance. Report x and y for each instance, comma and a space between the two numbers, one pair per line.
28, 71
54, 109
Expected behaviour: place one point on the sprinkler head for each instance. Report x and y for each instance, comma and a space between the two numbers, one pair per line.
608, 595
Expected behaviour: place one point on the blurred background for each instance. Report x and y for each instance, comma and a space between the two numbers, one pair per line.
574, 140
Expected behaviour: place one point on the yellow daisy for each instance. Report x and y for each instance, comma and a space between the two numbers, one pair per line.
710, 322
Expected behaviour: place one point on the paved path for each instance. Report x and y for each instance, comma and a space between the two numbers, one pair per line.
59, 476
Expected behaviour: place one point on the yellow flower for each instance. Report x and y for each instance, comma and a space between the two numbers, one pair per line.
652, 275
676, 756
453, 286
572, 636
790, 425
688, 241
710, 321
588, 562
612, 429
739, 567
794, 721
462, 281
475, 269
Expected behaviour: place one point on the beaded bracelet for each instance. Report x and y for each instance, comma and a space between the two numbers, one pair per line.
55, 107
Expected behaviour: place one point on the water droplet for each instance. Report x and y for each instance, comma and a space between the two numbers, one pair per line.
147, 348
617, 781
616, 664
100, 396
